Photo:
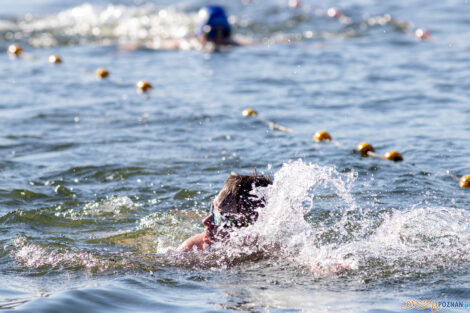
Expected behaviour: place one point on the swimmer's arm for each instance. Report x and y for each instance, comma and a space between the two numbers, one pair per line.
240, 40
164, 45
194, 241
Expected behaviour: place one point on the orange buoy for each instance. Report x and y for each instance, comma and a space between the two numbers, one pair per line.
101, 73
249, 112
422, 34
143, 86
15, 50
465, 181
363, 148
54, 59
393, 156
321, 135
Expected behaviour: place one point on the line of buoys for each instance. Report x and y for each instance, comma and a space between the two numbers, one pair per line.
364, 148
272, 125
15, 51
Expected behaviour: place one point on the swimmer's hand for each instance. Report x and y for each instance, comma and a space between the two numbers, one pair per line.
197, 242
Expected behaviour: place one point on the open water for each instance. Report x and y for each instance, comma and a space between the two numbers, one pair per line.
100, 184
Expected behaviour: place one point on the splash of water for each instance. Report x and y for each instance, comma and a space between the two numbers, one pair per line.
372, 243
292, 196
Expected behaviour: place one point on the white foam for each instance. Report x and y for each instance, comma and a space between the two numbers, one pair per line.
115, 206
34, 256
423, 238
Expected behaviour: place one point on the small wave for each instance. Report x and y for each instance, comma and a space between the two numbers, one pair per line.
42, 259
34, 256
115, 206
36, 217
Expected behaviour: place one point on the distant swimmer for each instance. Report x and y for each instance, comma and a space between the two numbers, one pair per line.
214, 26
213, 32
234, 207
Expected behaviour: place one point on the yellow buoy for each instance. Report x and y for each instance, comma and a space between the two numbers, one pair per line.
15, 50
54, 59
101, 73
393, 156
363, 148
322, 135
465, 181
143, 86
249, 112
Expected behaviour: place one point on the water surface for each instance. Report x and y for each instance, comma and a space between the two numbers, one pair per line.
100, 184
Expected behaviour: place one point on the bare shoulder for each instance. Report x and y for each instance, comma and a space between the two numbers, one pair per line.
194, 241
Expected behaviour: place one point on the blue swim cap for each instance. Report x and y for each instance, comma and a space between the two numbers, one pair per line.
213, 16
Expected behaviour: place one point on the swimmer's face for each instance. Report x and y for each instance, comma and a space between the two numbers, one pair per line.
218, 35
220, 219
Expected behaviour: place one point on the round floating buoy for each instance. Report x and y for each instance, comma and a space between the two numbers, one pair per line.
334, 13
249, 112
465, 181
54, 59
143, 86
363, 148
15, 50
393, 156
322, 135
101, 73
422, 34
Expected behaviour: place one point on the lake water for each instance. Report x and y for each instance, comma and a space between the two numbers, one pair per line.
99, 184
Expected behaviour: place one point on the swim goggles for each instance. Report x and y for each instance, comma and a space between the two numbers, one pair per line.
227, 221
218, 218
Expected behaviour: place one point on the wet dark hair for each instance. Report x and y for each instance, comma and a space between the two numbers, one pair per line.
238, 188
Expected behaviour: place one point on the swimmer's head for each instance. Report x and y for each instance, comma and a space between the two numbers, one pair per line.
214, 25
235, 206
